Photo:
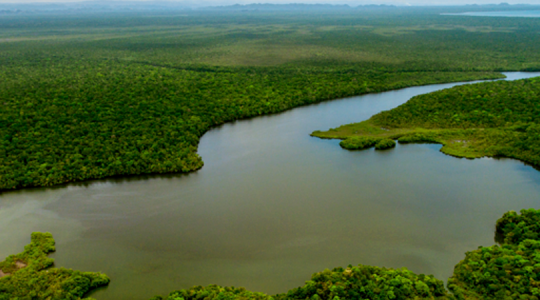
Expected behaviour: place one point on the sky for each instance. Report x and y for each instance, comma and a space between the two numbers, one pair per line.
350, 2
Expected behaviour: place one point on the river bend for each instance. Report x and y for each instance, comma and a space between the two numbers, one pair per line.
273, 205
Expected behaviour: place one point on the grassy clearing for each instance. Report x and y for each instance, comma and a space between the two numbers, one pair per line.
456, 142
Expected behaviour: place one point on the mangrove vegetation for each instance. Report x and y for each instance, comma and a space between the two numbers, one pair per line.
91, 96
510, 270
31, 275
500, 118
359, 282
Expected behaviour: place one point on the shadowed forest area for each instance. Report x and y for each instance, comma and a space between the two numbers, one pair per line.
91, 96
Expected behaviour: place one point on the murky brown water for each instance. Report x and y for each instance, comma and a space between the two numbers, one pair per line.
273, 205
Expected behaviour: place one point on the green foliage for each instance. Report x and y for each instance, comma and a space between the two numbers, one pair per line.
91, 97
513, 228
358, 143
361, 282
384, 144
500, 118
366, 282
422, 137
483, 105
118, 119
29, 275
510, 271
504, 115
214, 292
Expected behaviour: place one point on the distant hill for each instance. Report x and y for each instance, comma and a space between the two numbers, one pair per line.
209, 5
94, 6
278, 7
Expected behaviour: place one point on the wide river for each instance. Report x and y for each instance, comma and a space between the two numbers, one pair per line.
273, 205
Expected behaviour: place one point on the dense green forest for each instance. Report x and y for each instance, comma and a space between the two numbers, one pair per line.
508, 271
366, 282
500, 118
360, 282
29, 275
90, 96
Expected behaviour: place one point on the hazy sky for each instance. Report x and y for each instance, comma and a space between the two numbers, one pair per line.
351, 2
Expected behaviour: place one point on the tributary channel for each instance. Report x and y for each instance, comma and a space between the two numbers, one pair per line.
273, 205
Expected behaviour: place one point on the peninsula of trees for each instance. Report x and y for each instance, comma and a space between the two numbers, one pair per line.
31, 275
497, 119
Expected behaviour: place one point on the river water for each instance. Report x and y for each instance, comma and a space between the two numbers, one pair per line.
273, 205
508, 13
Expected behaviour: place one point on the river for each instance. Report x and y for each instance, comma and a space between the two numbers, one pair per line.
273, 205
508, 13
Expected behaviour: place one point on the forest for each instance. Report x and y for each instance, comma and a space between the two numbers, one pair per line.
31, 275
497, 119
91, 96
359, 282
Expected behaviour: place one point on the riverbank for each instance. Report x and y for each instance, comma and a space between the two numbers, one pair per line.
264, 208
31, 274
505, 270
130, 95
160, 134
497, 119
